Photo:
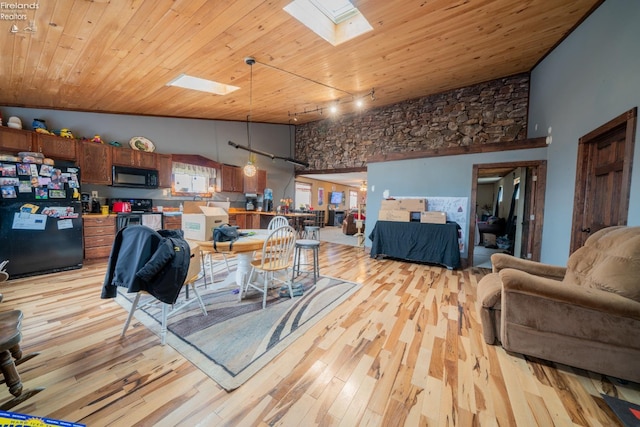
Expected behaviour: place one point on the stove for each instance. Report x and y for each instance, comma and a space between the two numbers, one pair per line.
141, 214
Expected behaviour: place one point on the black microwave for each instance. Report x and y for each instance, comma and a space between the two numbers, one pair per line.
134, 177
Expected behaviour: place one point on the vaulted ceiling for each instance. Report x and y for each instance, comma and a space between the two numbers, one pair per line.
118, 56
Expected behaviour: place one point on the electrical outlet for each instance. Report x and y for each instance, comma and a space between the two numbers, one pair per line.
94, 194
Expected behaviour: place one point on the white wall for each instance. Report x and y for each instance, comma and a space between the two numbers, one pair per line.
590, 78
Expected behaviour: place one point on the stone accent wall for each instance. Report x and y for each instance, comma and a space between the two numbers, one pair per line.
489, 112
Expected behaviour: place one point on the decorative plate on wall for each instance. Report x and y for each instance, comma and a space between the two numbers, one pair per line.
142, 144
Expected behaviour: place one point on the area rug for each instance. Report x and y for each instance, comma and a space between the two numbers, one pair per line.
628, 413
238, 338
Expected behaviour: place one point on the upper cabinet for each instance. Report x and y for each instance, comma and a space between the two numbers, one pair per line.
232, 179
164, 170
95, 163
128, 157
13, 141
255, 184
56, 147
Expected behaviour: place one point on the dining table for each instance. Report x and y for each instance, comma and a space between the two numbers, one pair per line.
250, 241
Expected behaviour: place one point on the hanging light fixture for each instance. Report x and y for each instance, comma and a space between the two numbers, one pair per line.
250, 167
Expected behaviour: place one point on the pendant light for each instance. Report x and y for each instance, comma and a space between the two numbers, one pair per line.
250, 167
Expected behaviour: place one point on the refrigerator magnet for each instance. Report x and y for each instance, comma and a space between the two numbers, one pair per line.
24, 187
57, 194
8, 170
41, 194
9, 181
24, 169
46, 170
35, 183
8, 191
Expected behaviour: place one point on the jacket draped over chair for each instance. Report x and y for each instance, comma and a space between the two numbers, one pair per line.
143, 259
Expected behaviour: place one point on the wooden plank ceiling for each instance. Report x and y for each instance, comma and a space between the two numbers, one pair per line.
118, 56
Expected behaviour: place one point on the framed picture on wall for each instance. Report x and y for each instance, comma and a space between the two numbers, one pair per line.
320, 196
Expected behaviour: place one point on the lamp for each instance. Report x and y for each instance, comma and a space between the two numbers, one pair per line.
250, 167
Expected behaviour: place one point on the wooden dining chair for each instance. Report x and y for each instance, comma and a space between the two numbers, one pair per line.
276, 257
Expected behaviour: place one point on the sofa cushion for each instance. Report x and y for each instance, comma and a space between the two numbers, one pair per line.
610, 261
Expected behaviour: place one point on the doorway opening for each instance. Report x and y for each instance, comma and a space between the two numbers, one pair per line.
507, 203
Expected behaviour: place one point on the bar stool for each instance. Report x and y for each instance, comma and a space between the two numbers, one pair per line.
306, 244
312, 232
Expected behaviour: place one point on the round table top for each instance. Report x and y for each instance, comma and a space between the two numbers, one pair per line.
250, 243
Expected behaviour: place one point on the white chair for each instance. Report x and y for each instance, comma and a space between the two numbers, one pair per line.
277, 222
277, 252
207, 257
168, 310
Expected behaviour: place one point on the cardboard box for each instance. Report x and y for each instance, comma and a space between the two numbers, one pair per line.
394, 215
199, 226
433, 217
411, 205
388, 205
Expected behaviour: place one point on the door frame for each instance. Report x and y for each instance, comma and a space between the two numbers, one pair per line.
628, 120
538, 203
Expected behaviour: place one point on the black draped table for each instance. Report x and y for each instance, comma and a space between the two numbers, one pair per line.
416, 241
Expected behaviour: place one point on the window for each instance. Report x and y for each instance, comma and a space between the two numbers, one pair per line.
336, 21
302, 196
189, 180
353, 199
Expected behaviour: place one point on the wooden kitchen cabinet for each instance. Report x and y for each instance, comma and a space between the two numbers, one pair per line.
99, 233
253, 221
255, 184
172, 222
95, 163
13, 141
232, 179
56, 147
164, 165
128, 157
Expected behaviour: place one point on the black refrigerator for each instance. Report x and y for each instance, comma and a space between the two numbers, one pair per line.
40, 218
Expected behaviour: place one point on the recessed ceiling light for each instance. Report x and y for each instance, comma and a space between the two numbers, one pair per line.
336, 21
196, 83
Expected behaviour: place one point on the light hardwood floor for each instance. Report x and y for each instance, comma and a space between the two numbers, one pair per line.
406, 350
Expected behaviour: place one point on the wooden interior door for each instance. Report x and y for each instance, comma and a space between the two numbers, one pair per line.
531, 246
603, 177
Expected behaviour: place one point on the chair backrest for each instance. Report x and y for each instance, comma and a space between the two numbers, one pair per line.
277, 222
278, 249
194, 263
609, 260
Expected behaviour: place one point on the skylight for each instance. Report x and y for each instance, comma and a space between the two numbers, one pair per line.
196, 83
336, 10
336, 21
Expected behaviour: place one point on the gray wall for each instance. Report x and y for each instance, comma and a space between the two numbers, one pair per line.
208, 138
589, 79
432, 177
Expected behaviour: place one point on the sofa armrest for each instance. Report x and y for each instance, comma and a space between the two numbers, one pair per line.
502, 261
550, 290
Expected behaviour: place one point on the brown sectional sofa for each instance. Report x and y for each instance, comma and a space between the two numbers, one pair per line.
586, 315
